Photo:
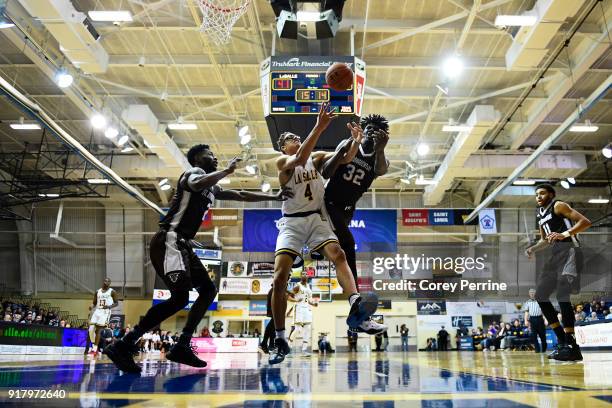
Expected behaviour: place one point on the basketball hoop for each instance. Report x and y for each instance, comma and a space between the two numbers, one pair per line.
219, 16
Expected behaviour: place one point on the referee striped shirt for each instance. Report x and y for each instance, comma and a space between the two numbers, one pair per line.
533, 308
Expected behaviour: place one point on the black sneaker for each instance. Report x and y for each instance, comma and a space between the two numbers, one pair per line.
122, 354
555, 351
569, 352
281, 349
184, 354
361, 310
264, 349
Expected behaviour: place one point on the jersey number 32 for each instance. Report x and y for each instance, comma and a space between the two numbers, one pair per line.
354, 174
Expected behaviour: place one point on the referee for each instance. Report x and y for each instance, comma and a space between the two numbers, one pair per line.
533, 313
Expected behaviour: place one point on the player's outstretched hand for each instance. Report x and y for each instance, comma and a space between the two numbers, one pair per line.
231, 167
284, 194
380, 140
326, 115
356, 131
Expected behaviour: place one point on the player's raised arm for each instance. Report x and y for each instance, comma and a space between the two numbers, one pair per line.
241, 195
345, 152
197, 179
324, 118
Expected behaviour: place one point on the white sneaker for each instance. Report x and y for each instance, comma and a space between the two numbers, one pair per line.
371, 327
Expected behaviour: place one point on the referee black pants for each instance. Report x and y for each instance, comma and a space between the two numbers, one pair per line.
538, 330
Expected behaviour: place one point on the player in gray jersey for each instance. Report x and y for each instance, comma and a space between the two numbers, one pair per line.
559, 225
304, 223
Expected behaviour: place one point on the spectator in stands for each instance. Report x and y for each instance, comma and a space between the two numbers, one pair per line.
106, 338
504, 333
593, 317
17, 317
38, 320
431, 344
609, 316
62, 323
229, 335
580, 311
578, 317
116, 331
256, 333
490, 339
404, 337
442, 339
8, 317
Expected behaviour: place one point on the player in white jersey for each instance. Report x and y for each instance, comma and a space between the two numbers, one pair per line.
302, 318
303, 223
104, 300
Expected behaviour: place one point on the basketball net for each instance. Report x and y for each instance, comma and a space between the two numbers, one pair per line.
219, 16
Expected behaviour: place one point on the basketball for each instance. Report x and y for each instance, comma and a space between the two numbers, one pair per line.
339, 76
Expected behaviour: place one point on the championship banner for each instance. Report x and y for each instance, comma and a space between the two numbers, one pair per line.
374, 230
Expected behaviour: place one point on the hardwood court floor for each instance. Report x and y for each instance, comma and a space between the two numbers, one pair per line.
444, 379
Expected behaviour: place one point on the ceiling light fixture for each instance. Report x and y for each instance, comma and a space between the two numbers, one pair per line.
98, 181
265, 186
162, 182
111, 133
587, 127
245, 139
98, 121
507, 20
111, 15
243, 130
165, 187
599, 200
63, 79
565, 184
571, 180
524, 182
607, 151
182, 126
123, 140
127, 149
251, 168
452, 67
422, 149
24, 126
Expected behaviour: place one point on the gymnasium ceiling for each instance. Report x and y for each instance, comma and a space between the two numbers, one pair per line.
403, 44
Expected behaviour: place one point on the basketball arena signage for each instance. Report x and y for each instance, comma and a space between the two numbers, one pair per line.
415, 217
309, 63
374, 230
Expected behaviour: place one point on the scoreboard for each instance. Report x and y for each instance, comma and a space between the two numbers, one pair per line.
303, 93
293, 89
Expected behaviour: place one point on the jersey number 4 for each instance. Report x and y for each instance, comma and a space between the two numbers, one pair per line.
354, 174
308, 192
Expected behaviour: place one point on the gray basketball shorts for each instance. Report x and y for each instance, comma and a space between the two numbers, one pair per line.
296, 232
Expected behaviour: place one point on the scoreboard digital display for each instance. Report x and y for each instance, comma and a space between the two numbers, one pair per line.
293, 89
303, 93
